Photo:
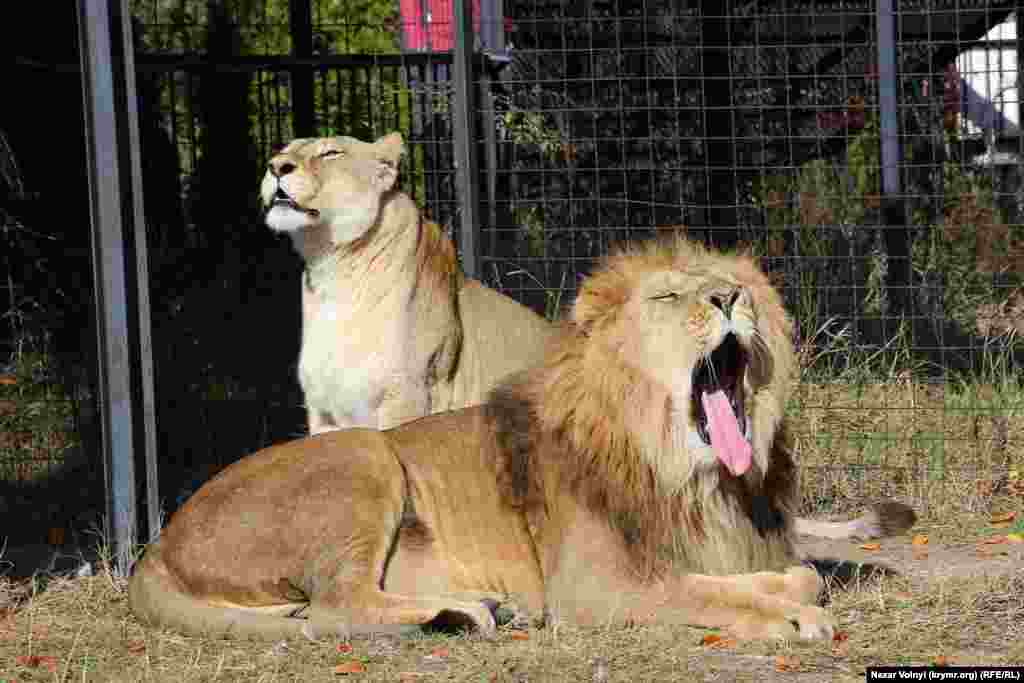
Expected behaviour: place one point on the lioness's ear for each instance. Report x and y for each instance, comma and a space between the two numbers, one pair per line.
389, 152
390, 147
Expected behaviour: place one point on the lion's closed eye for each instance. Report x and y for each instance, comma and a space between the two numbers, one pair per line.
667, 296
332, 154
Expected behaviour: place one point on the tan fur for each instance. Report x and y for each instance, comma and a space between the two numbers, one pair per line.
392, 330
581, 490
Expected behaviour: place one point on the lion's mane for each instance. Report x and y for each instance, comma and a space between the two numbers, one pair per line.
606, 431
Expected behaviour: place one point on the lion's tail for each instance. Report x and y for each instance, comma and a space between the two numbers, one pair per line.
157, 597
844, 573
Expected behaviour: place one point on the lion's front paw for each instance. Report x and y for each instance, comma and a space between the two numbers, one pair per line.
808, 622
814, 623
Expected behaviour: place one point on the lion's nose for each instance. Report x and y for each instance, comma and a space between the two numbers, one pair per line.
725, 298
280, 167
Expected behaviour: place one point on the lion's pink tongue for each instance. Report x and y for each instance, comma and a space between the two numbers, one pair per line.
726, 441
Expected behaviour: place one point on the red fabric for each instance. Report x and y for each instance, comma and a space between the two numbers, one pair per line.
433, 34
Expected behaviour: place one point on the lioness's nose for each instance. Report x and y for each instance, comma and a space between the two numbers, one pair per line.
724, 298
280, 166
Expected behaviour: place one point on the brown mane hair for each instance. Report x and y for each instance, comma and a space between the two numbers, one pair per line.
585, 423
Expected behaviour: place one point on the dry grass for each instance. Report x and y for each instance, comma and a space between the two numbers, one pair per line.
953, 451
945, 450
81, 630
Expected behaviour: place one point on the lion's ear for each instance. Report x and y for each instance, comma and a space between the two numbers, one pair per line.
594, 307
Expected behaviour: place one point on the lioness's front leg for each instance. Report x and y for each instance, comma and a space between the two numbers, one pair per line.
403, 402
319, 422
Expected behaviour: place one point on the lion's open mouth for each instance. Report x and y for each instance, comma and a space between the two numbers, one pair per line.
281, 198
717, 405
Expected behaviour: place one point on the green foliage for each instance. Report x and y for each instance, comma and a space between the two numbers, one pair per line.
947, 248
817, 204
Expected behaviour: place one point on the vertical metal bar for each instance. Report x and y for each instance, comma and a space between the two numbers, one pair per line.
492, 29
300, 23
118, 237
145, 398
719, 114
895, 233
465, 149
491, 160
1018, 32
888, 124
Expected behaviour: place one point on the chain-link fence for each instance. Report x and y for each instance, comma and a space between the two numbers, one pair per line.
869, 152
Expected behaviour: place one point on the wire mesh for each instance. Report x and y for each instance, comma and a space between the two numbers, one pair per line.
747, 125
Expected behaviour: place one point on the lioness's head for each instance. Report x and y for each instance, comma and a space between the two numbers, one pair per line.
336, 183
694, 346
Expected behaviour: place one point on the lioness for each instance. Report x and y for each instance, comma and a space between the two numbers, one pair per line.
639, 473
391, 330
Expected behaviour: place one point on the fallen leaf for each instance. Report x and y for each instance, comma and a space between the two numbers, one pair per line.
871, 546
840, 649
344, 648
1004, 517
993, 540
942, 660
902, 596
8, 380
519, 635
786, 663
439, 652
919, 539
919, 554
1015, 538
716, 640
352, 667
408, 676
135, 646
35, 661
840, 636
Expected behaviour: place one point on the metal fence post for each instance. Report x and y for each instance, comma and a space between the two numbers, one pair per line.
300, 23
465, 147
897, 238
119, 266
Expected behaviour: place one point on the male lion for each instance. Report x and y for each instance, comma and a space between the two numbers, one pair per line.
639, 473
391, 330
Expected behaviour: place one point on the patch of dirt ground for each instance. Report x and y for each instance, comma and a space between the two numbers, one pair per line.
937, 559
